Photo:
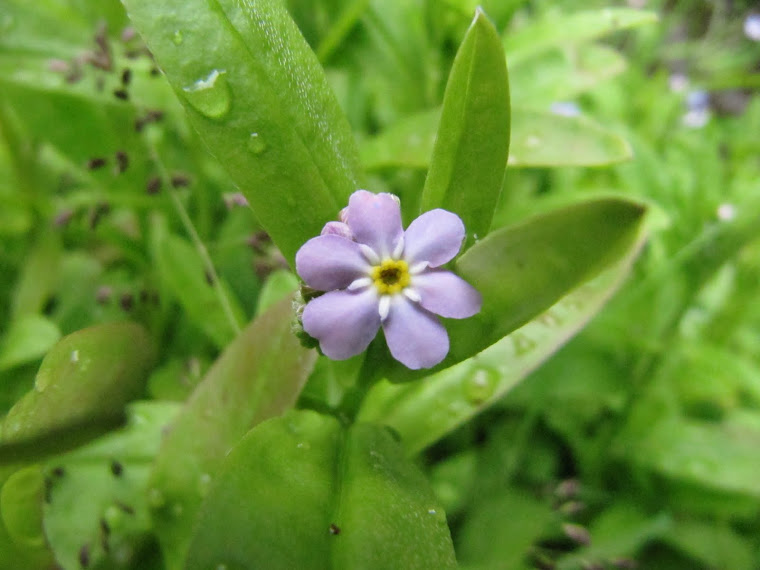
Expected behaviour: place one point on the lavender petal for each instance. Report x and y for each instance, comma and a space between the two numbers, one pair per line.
375, 220
344, 322
446, 294
436, 237
330, 262
414, 336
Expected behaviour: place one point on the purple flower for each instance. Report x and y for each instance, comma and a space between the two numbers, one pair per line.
376, 274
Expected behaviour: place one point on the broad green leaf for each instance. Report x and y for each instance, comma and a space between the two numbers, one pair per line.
96, 495
27, 339
80, 391
257, 377
714, 544
522, 270
211, 306
21, 506
539, 138
260, 101
314, 494
425, 410
36, 280
561, 75
562, 29
472, 143
279, 284
548, 140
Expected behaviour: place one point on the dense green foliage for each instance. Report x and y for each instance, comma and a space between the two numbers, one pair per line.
161, 162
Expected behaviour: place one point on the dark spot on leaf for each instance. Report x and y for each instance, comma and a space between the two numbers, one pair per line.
155, 72
58, 471
121, 94
180, 180
153, 185
97, 213
334, 529
84, 556
116, 468
126, 508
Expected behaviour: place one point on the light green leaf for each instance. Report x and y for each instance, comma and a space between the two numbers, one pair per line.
184, 274
27, 339
561, 29
279, 284
257, 377
80, 391
522, 270
317, 495
539, 138
472, 143
259, 99
424, 411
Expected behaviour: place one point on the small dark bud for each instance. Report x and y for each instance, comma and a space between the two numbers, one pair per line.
96, 163
334, 529
209, 277
127, 301
121, 94
180, 180
568, 489
155, 72
571, 508
122, 161
577, 533
153, 185
116, 468
103, 295
232, 199
126, 77
62, 218
58, 472
125, 508
59, 66
104, 527
128, 34
84, 556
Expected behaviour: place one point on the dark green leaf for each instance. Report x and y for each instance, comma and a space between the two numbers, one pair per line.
317, 495
257, 377
80, 391
472, 144
259, 99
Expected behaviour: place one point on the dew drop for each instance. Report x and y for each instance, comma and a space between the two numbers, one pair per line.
204, 482
522, 343
210, 96
256, 144
532, 141
304, 445
480, 387
177, 38
75, 356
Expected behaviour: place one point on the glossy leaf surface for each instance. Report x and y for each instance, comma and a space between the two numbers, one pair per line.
258, 376
472, 142
426, 410
259, 99
317, 495
80, 391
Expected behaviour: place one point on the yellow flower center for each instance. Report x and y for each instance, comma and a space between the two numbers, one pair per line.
391, 276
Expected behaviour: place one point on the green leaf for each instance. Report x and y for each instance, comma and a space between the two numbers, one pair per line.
184, 273
522, 270
548, 140
257, 377
424, 411
472, 145
96, 495
21, 506
279, 284
561, 29
317, 495
259, 99
80, 391
27, 339
539, 138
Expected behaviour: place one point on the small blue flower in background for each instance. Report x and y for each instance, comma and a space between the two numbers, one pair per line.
376, 274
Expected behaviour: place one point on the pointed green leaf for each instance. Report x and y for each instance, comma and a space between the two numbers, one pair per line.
259, 376
523, 270
304, 492
425, 410
80, 391
562, 29
27, 339
472, 144
259, 99
539, 138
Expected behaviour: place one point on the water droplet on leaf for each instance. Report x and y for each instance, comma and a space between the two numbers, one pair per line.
480, 387
204, 482
210, 96
256, 144
177, 38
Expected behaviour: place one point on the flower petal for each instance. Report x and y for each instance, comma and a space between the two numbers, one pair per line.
330, 262
436, 237
375, 220
414, 336
344, 322
337, 229
446, 294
